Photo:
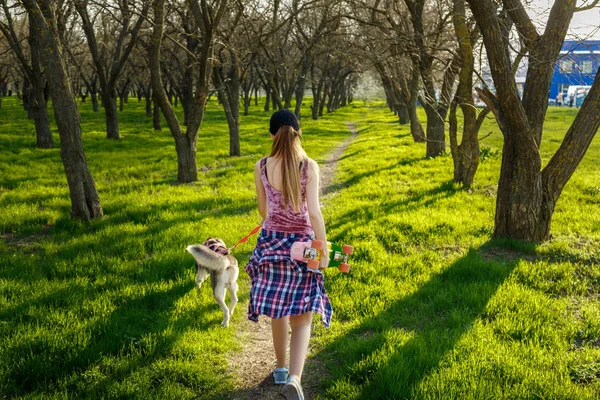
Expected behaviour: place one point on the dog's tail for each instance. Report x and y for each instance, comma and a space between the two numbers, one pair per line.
208, 258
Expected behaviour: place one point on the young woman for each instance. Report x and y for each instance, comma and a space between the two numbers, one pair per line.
287, 187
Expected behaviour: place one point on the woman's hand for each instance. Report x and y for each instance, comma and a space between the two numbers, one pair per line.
324, 262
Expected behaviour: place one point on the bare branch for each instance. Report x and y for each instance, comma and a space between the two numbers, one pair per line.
588, 6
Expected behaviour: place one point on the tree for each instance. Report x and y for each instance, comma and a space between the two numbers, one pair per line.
397, 65
227, 74
109, 66
314, 25
180, 65
429, 43
527, 194
85, 202
227, 81
5, 69
206, 20
466, 154
274, 64
31, 71
83, 67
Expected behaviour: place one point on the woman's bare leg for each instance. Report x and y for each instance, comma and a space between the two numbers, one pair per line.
280, 328
299, 343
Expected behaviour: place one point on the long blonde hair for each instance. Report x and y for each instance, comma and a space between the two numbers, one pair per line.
287, 148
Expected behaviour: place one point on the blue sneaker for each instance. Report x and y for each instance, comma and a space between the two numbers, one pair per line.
280, 375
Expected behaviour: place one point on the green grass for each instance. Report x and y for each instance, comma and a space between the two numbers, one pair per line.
432, 308
109, 309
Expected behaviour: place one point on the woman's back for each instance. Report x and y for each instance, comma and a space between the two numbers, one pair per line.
280, 216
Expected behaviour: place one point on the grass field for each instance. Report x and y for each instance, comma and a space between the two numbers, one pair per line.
432, 307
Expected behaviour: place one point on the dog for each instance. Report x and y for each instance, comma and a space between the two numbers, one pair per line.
213, 258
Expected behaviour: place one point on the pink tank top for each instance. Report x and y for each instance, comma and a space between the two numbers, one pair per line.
282, 219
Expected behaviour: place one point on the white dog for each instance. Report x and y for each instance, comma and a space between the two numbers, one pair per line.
213, 258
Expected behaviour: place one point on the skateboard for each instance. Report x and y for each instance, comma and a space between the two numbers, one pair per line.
310, 253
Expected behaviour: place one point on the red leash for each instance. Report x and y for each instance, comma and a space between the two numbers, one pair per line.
245, 238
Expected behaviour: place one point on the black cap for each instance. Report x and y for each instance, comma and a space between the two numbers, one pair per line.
283, 117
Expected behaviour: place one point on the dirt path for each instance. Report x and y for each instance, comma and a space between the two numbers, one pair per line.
252, 366
329, 166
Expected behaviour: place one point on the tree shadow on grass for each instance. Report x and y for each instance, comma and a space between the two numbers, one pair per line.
359, 177
425, 198
139, 331
348, 155
388, 355
112, 234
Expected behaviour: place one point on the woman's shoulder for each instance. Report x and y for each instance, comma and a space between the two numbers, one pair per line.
312, 164
259, 163
312, 168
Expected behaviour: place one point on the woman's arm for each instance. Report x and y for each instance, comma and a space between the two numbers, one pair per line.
314, 209
260, 192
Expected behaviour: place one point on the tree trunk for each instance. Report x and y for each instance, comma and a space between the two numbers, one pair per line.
267, 100
247, 101
147, 94
275, 96
520, 197
322, 103
187, 98
288, 93
403, 116
315, 105
39, 113
94, 97
25, 98
436, 136
316, 92
299, 96
416, 129
37, 100
234, 137
228, 87
186, 159
109, 103
85, 203
156, 116
301, 86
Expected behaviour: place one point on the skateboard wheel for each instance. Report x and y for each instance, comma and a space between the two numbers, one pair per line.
313, 264
344, 267
317, 244
347, 249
